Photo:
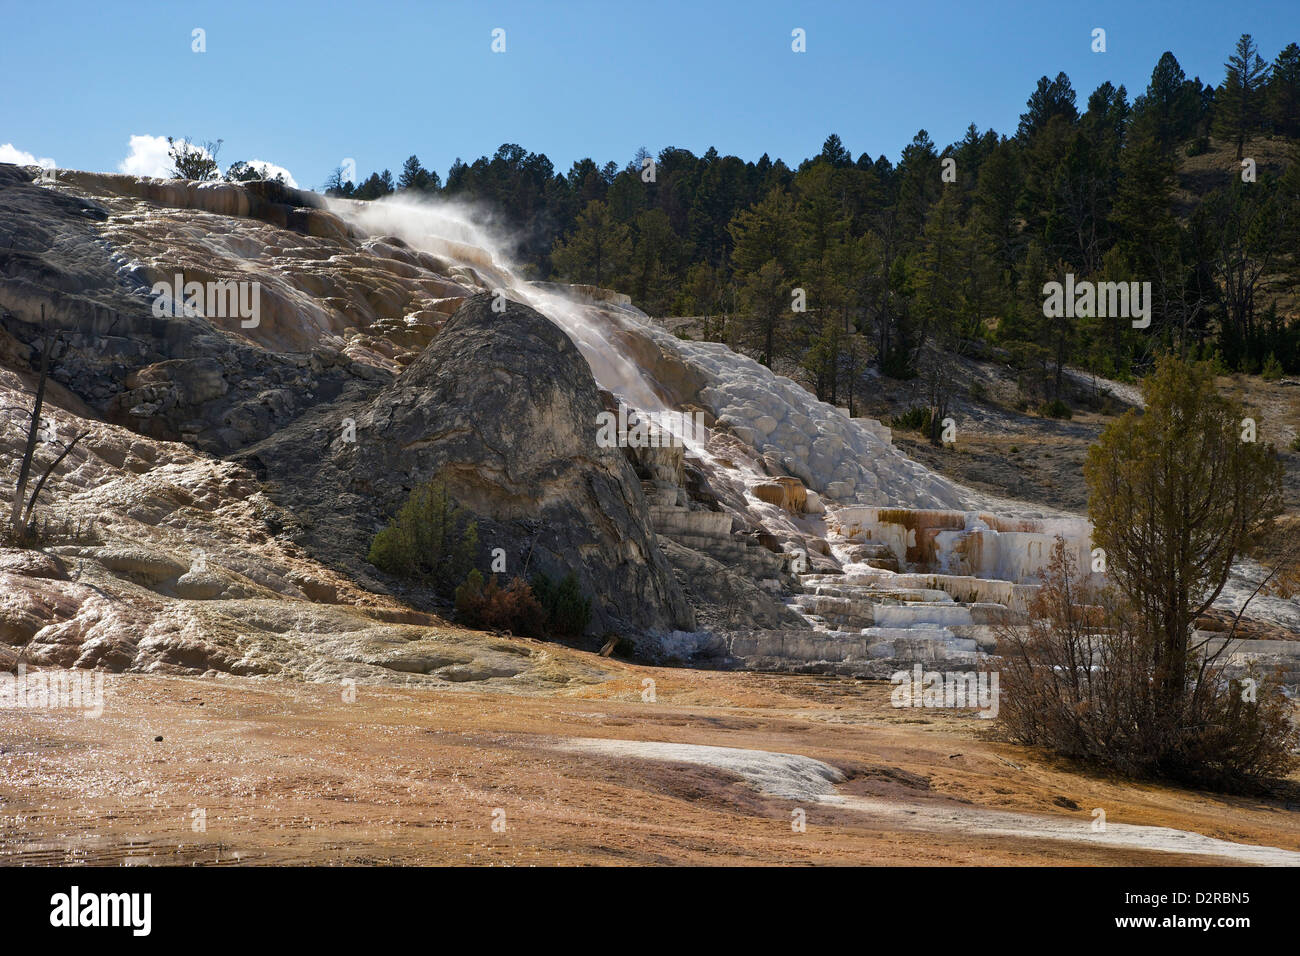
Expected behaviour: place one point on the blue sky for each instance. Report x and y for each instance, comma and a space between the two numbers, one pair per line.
304, 85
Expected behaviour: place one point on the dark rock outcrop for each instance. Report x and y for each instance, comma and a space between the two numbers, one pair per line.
502, 407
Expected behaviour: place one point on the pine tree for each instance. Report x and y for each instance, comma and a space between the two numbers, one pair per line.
834, 152
822, 217
1166, 113
766, 293
1284, 92
1241, 224
1050, 98
766, 232
431, 539
196, 161
597, 251
935, 273
1241, 97
375, 186
918, 179
415, 178
996, 192
652, 261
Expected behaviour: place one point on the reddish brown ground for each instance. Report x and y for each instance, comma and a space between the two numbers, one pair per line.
289, 773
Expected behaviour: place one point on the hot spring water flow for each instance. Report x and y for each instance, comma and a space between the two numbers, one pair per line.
446, 232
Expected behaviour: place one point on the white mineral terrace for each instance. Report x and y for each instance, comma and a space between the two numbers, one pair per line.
929, 583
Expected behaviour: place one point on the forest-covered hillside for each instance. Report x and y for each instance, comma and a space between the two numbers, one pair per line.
841, 263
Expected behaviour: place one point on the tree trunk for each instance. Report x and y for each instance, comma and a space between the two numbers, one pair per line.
24, 472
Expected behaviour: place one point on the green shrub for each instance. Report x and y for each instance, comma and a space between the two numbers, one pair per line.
431, 540
897, 365
915, 419
567, 612
1295, 443
1056, 409
513, 608
978, 392
1216, 360
1272, 370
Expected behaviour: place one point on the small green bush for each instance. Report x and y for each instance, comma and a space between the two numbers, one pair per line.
1056, 409
431, 540
1215, 358
896, 365
915, 419
567, 612
1272, 370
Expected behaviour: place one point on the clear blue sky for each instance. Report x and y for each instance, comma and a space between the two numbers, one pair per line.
305, 84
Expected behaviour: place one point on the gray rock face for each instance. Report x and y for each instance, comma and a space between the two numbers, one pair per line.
503, 408
174, 378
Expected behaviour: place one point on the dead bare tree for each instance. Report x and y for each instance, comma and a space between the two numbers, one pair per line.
67, 449
49, 343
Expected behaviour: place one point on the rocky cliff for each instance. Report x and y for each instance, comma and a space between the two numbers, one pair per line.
502, 407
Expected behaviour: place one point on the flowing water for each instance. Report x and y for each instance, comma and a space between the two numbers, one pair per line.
450, 232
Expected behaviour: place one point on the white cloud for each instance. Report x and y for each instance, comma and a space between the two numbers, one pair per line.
148, 157
270, 170
9, 153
